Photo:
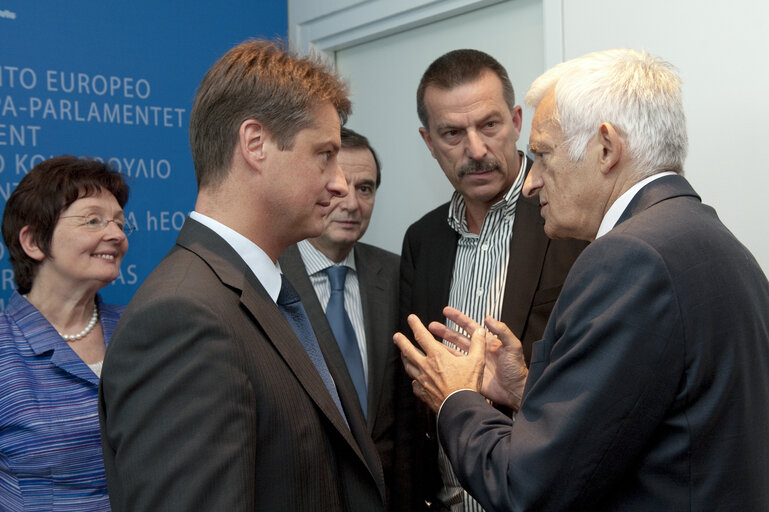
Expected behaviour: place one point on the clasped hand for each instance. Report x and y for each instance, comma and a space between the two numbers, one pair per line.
493, 364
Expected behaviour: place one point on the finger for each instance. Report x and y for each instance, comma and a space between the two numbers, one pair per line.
502, 331
461, 319
423, 337
412, 370
441, 331
417, 388
477, 349
408, 350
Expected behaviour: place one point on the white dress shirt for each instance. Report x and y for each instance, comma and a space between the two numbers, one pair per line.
265, 270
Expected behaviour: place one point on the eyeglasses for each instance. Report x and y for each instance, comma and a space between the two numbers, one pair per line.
97, 223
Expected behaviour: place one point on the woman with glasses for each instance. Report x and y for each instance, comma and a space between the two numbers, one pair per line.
65, 231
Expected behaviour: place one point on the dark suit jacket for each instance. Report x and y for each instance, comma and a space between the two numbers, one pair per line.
208, 400
378, 279
650, 389
535, 275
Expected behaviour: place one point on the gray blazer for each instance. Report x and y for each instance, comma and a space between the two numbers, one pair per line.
209, 402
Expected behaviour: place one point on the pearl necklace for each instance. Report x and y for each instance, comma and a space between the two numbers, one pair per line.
88, 328
84, 332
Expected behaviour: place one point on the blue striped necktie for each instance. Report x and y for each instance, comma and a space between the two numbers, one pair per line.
291, 307
343, 331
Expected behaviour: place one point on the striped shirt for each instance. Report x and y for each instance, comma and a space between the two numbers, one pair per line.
50, 445
477, 289
316, 262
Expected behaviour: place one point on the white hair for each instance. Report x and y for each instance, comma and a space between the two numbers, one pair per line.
638, 94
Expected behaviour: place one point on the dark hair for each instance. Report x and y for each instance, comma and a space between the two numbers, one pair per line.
354, 140
257, 80
459, 67
48, 189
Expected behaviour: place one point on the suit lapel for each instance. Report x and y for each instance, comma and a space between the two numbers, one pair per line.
443, 244
528, 246
233, 272
656, 191
293, 267
373, 299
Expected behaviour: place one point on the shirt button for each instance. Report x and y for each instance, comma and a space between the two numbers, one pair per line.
479, 293
485, 247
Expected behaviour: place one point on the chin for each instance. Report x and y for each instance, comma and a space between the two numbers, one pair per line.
554, 233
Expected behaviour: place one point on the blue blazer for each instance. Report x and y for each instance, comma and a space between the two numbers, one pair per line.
650, 389
50, 446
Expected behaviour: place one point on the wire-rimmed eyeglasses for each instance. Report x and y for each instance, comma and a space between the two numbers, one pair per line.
97, 223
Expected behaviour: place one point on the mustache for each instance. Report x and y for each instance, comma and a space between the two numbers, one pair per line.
478, 166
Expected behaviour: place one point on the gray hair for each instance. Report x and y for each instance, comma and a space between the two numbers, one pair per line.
640, 96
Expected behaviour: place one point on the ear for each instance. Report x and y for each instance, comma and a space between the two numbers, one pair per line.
425, 133
611, 146
28, 244
517, 116
251, 143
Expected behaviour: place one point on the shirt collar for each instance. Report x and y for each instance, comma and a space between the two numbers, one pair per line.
315, 261
457, 209
615, 210
267, 272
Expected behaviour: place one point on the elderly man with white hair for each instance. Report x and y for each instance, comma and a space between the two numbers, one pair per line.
650, 388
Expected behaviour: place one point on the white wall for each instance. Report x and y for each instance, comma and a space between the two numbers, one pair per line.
719, 48
388, 70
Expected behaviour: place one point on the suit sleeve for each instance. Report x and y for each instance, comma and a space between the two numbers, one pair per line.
599, 385
174, 394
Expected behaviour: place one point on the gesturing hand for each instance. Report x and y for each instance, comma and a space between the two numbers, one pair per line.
440, 371
505, 371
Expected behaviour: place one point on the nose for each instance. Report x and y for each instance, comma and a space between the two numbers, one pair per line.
476, 148
533, 182
350, 201
338, 184
113, 231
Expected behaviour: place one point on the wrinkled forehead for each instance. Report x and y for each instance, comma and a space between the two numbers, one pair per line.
486, 89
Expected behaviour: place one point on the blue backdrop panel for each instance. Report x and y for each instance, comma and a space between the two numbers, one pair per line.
116, 81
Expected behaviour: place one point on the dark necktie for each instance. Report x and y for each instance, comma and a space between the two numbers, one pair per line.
291, 307
343, 331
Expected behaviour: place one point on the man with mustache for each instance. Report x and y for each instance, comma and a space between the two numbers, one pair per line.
370, 289
484, 252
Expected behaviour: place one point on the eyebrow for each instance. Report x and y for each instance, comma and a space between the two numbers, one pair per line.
450, 126
98, 210
539, 146
327, 145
